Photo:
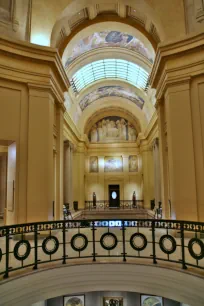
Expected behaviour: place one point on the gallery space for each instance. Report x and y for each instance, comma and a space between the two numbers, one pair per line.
101, 152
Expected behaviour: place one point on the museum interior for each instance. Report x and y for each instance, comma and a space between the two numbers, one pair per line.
102, 152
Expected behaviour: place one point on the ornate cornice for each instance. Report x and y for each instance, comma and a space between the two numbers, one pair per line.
29, 63
177, 62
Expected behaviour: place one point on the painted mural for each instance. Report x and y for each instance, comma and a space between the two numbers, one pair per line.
108, 39
5, 10
111, 91
113, 164
151, 300
133, 163
93, 164
112, 129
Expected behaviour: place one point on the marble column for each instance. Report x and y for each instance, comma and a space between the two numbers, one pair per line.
68, 177
157, 176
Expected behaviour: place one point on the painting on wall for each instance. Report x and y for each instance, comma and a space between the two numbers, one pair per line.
5, 9
74, 300
112, 301
148, 300
113, 164
133, 163
111, 91
112, 129
93, 164
107, 39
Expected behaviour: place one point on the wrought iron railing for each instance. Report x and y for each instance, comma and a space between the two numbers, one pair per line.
34, 244
105, 205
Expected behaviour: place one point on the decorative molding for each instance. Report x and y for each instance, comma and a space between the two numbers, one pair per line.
53, 78
160, 76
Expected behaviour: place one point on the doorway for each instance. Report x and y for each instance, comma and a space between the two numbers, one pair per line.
114, 196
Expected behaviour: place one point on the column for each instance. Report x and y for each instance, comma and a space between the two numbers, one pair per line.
163, 152
79, 175
59, 164
40, 155
148, 175
181, 152
68, 173
127, 193
101, 178
157, 177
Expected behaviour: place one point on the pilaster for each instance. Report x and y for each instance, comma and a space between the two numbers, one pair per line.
40, 155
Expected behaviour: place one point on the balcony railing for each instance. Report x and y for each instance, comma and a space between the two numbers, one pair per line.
36, 244
105, 205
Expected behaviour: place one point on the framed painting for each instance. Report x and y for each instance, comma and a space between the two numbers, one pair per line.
74, 300
133, 163
113, 164
113, 301
93, 164
151, 300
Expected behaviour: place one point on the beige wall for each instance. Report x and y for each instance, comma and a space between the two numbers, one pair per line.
30, 119
181, 120
128, 181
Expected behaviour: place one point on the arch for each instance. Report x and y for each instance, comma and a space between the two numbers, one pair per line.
111, 111
105, 18
111, 91
109, 68
98, 32
108, 53
113, 104
72, 279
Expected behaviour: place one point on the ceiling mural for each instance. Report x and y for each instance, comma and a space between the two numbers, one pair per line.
112, 129
108, 39
111, 91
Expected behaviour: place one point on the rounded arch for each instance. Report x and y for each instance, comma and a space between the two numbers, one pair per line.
108, 53
151, 18
114, 103
72, 279
103, 83
102, 19
99, 30
111, 111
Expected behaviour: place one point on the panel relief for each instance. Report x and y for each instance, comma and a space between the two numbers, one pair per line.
112, 129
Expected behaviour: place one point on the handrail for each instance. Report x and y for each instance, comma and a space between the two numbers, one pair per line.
32, 244
105, 205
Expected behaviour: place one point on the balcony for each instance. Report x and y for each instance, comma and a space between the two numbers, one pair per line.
170, 243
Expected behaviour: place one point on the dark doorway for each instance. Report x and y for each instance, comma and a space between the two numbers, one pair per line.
114, 195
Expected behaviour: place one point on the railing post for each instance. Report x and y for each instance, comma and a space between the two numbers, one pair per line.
124, 250
36, 246
94, 246
6, 275
64, 242
183, 247
153, 243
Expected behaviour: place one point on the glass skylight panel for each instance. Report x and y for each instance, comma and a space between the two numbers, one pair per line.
110, 68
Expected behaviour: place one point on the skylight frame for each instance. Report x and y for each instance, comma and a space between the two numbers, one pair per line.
110, 69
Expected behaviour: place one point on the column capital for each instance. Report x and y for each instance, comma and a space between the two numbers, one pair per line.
155, 142
69, 144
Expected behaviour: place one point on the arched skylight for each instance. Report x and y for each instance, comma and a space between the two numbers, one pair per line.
110, 69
